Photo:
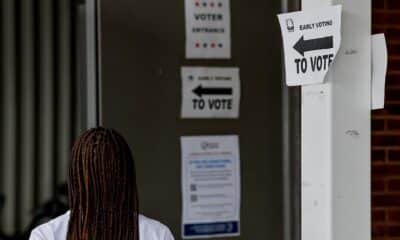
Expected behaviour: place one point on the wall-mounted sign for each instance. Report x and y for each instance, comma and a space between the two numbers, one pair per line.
210, 186
208, 29
210, 92
311, 41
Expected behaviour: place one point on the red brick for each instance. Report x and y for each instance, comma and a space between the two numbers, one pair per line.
378, 124
377, 29
386, 170
378, 4
378, 155
386, 140
394, 49
392, 34
392, 108
378, 215
392, 4
394, 231
394, 185
392, 93
393, 124
393, 215
380, 112
394, 65
379, 231
394, 155
381, 238
378, 17
392, 18
386, 200
385, 183
378, 185
393, 79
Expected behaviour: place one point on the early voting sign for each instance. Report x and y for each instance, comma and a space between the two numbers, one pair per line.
311, 41
210, 186
210, 92
208, 29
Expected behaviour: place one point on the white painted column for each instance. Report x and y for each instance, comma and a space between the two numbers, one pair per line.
93, 54
336, 135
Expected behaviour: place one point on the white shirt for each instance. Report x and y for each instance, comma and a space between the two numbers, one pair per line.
57, 228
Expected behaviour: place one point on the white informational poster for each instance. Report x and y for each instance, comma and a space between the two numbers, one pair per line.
210, 186
311, 41
210, 92
379, 69
208, 29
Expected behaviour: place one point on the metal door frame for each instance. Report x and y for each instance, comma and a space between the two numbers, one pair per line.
90, 62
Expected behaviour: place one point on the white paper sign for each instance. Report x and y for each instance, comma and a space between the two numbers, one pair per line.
379, 69
208, 29
210, 92
210, 186
311, 40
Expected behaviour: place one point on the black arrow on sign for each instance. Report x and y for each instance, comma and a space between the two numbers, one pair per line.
303, 46
200, 91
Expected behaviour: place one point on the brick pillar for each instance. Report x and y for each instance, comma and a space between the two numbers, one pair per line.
386, 130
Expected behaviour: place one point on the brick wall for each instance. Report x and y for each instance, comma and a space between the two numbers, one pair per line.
386, 130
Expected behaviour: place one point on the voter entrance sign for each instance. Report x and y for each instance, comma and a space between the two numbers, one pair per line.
210, 92
208, 29
311, 41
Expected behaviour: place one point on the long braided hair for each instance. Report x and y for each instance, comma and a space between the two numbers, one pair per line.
102, 188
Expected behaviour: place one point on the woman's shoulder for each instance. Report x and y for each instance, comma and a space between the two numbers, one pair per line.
53, 230
153, 229
57, 228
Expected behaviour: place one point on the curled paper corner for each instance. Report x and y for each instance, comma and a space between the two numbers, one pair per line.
379, 69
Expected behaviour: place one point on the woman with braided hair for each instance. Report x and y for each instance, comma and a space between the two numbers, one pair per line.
102, 195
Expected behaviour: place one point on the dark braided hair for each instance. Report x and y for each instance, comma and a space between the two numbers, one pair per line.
102, 188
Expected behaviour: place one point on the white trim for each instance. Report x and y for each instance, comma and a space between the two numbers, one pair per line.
336, 136
92, 64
